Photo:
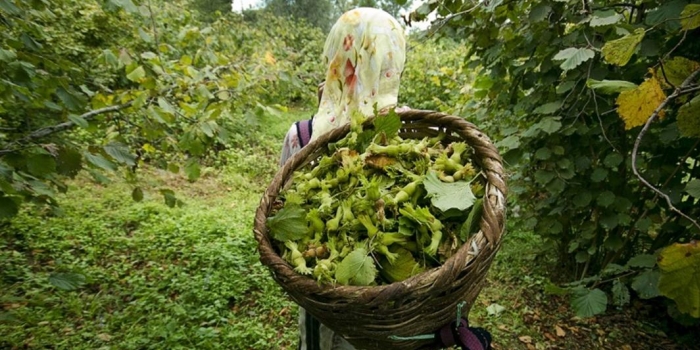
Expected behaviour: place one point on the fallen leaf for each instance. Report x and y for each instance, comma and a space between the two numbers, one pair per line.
525, 339
503, 327
531, 347
560, 331
549, 336
104, 337
626, 347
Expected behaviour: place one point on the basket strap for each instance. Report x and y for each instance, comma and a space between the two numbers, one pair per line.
467, 338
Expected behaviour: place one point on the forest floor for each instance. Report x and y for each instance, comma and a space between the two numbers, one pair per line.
189, 277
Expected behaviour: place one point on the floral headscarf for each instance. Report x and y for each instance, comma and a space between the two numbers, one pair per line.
365, 54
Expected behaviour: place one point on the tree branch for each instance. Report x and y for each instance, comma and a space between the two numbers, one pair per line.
678, 92
43, 132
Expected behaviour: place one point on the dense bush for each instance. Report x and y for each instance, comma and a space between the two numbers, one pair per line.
145, 82
575, 92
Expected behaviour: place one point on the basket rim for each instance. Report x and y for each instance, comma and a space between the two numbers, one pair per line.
481, 243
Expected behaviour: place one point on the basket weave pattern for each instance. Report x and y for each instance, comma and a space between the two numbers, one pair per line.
368, 316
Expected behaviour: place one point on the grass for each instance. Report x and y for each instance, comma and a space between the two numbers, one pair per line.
189, 277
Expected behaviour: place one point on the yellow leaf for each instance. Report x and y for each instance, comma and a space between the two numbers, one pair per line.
677, 70
620, 51
636, 106
149, 148
269, 58
690, 17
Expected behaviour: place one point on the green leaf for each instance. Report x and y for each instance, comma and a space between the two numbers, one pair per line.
646, 284
548, 108
543, 177
620, 293
8, 207
70, 100
127, 5
689, 119
588, 303
690, 19
610, 221
620, 51
495, 309
605, 199
582, 199
78, 120
668, 13
289, 224
445, 196
610, 86
549, 125
543, 153
676, 70
472, 224
539, 13
9, 7
510, 142
100, 161
41, 165
137, 194
642, 260
137, 74
145, 36
69, 162
604, 18
573, 57
612, 160
405, 266
120, 153
680, 276
192, 169
388, 124
169, 197
599, 174
356, 269
6, 55
67, 281
693, 188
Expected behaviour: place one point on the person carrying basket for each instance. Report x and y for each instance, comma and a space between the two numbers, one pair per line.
364, 55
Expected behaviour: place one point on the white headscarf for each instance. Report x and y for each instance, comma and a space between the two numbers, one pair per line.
365, 54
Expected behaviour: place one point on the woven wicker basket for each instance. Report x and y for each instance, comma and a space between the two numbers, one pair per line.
368, 316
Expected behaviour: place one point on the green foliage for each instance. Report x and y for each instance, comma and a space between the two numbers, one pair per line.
446, 196
563, 88
587, 303
357, 269
680, 277
118, 87
113, 272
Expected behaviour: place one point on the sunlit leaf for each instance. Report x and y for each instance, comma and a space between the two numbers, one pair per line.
357, 269
573, 57
137, 74
604, 18
610, 86
620, 51
693, 188
690, 17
